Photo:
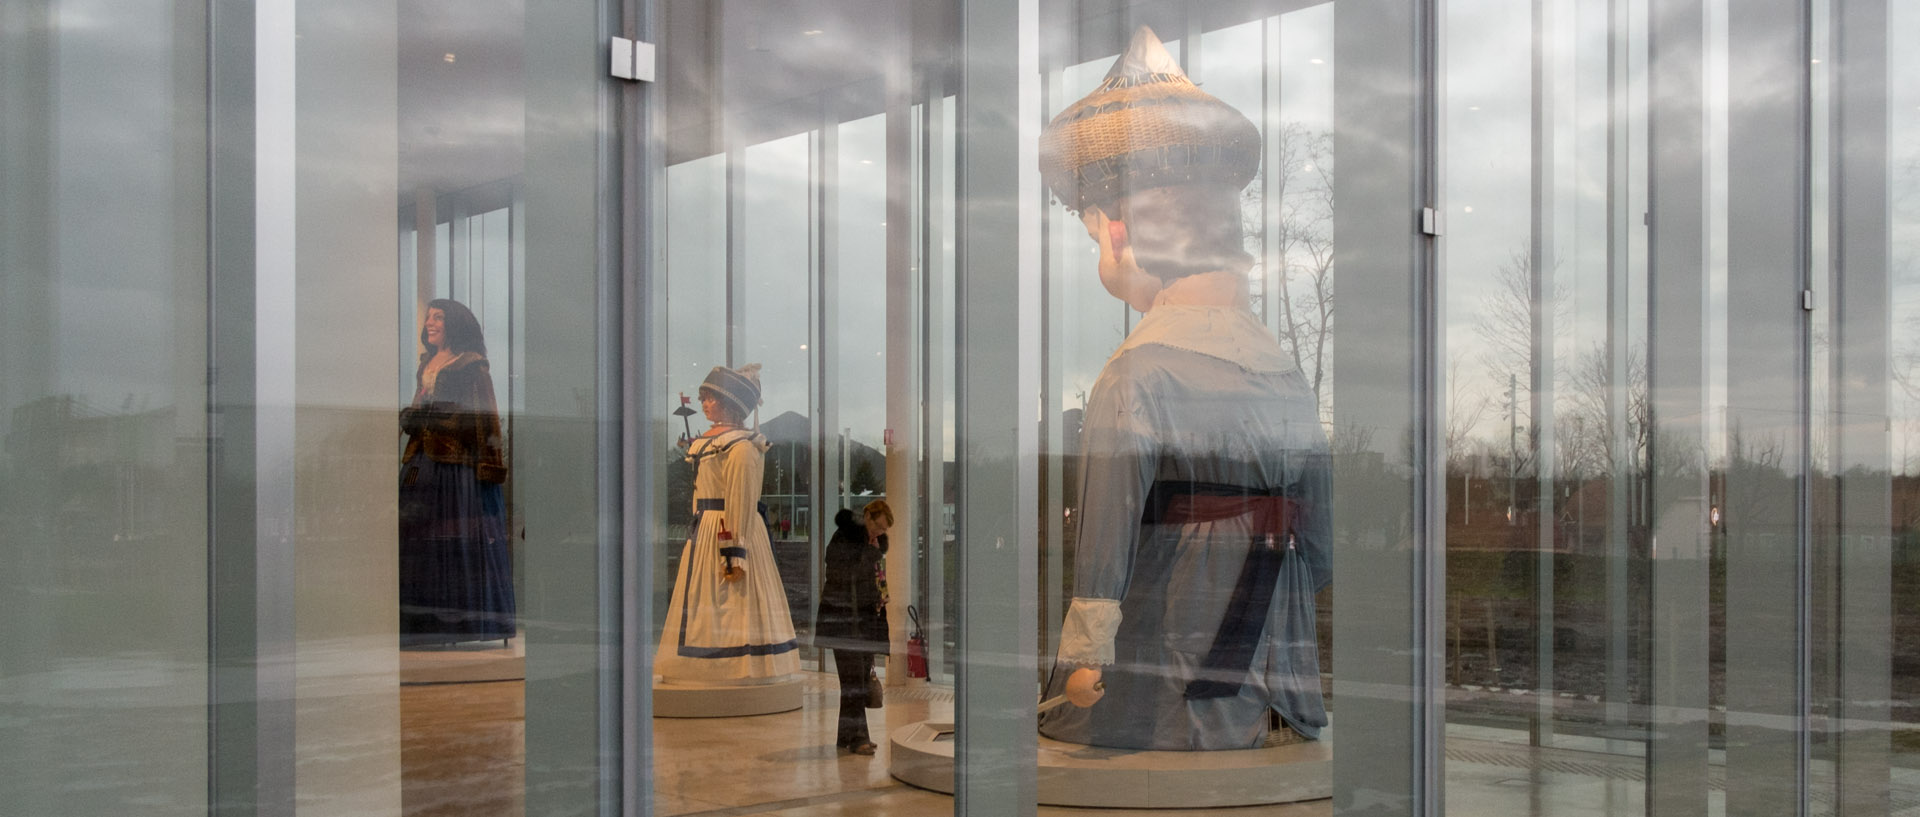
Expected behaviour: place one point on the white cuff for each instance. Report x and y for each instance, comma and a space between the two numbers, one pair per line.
1086, 637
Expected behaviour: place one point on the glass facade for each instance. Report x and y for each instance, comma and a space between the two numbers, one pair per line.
403, 414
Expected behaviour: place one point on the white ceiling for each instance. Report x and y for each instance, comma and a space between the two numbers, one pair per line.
462, 123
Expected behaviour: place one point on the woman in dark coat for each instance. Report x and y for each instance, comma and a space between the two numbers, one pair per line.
456, 579
853, 613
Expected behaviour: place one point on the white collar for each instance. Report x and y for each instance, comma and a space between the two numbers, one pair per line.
1229, 333
713, 443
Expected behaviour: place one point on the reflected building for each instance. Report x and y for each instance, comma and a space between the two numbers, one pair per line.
108, 471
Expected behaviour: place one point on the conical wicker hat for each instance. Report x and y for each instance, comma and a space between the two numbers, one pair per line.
1147, 125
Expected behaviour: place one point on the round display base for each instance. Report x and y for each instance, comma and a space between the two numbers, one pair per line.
463, 663
694, 700
1090, 776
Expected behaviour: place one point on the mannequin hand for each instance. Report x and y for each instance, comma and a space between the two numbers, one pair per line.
732, 574
1084, 688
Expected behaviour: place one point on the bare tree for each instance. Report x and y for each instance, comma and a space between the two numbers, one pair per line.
1506, 321
1301, 225
1466, 407
1585, 429
1507, 324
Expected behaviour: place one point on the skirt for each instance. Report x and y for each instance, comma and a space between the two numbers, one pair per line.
456, 574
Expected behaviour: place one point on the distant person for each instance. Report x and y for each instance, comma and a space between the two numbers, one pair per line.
456, 578
1203, 519
727, 619
853, 613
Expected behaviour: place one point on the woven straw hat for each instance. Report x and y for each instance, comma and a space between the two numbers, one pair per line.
1147, 125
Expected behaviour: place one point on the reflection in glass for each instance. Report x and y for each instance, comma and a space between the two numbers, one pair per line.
456, 577
1547, 430
1903, 164
104, 470
1203, 516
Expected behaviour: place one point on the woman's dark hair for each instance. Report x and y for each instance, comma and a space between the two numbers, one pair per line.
461, 330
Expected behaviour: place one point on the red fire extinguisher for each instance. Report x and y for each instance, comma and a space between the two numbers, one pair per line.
916, 646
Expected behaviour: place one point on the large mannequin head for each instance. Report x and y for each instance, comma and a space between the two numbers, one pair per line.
1159, 235
1155, 166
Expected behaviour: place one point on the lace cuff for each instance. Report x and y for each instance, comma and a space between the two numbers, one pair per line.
1086, 638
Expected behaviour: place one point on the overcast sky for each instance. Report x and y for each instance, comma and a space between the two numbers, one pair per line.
115, 293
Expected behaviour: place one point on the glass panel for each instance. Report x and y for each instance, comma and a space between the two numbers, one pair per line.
796, 170
103, 421
462, 516
860, 301
1547, 421
1179, 417
1902, 313
311, 461
1386, 455
787, 164
936, 548
774, 307
1634, 556
855, 340
1766, 473
270, 493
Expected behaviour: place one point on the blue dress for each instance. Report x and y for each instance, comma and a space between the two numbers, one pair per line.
456, 572
1202, 538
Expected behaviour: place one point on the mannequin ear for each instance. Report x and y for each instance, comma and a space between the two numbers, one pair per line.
1117, 234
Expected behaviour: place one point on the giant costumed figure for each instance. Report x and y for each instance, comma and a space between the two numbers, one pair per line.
727, 619
1203, 520
456, 565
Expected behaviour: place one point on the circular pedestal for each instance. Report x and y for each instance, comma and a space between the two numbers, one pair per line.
464, 663
1090, 776
694, 700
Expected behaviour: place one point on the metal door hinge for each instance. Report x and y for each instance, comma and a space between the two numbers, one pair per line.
632, 60
1806, 300
1429, 221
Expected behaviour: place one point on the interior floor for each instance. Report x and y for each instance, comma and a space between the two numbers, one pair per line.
462, 753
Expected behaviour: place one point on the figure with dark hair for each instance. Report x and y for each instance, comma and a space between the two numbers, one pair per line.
727, 618
1203, 521
456, 577
852, 619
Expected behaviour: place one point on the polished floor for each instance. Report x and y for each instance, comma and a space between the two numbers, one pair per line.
462, 755
462, 742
